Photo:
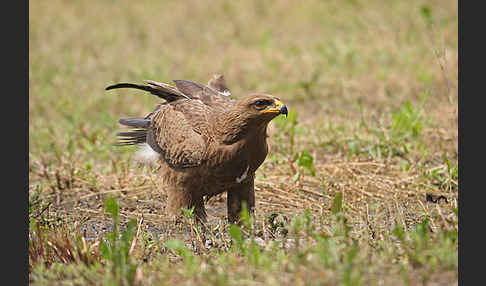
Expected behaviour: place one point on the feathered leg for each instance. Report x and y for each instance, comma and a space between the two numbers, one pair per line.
244, 192
181, 198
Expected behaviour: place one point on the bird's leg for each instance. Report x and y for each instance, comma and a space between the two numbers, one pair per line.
177, 199
200, 210
244, 192
183, 198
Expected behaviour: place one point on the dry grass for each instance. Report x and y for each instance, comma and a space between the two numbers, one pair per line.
355, 75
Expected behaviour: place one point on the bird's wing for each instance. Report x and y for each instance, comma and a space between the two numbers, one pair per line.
181, 132
218, 83
179, 129
162, 90
184, 89
217, 100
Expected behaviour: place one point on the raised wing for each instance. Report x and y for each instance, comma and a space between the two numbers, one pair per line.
162, 90
179, 129
218, 83
186, 89
207, 95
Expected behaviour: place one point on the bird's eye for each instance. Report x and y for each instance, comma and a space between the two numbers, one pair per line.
260, 103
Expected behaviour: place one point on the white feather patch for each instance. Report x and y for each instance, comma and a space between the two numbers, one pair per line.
146, 155
226, 93
243, 176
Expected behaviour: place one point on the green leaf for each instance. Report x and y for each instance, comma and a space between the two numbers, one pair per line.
352, 252
292, 117
111, 207
296, 176
245, 216
189, 213
176, 245
307, 161
105, 251
307, 218
422, 228
426, 13
337, 203
399, 233
236, 233
296, 224
128, 235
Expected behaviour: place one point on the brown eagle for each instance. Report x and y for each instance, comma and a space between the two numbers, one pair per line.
206, 142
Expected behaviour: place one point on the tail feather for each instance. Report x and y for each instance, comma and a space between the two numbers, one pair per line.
148, 151
133, 137
135, 122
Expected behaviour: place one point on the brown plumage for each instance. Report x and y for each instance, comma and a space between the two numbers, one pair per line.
206, 142
219, 83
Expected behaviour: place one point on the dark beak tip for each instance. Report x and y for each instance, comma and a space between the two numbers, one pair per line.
283, 110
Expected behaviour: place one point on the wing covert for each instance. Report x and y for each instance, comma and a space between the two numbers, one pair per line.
180, 131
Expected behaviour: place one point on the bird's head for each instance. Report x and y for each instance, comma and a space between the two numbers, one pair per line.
249, 114
261, 106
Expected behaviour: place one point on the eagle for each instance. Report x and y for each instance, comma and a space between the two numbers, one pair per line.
205, 141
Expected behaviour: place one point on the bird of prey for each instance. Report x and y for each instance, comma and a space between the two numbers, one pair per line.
205, 142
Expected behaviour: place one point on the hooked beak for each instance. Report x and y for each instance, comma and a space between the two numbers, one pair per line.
279, 108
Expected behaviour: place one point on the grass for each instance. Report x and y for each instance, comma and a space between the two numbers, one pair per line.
349, 194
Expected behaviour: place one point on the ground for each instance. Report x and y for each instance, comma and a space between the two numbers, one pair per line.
361, 183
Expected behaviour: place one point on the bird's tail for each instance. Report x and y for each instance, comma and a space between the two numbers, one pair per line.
135, 136
140, 136
132, 137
